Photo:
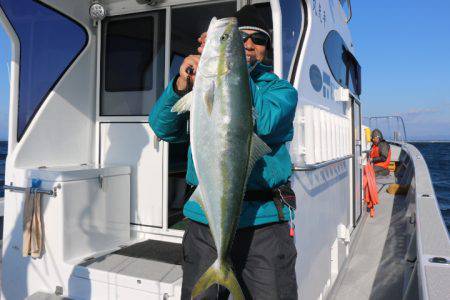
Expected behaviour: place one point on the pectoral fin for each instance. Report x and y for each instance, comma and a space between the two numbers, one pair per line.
209, 97
254, 115
257, 151
184, 104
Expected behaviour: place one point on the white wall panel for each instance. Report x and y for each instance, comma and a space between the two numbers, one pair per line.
320, 136
133, 144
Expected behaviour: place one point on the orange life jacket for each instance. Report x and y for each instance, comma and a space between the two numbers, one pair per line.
370, 188
375, 152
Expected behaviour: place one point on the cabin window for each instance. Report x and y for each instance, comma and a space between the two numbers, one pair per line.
353, 74
188, 23
343, 65
291, 26
49, 43
132, 63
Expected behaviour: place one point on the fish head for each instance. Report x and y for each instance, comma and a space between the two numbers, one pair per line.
222, 49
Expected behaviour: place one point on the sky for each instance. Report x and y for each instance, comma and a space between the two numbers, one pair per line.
403, 48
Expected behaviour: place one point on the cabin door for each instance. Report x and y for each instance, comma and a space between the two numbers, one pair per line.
132, 77
357, 169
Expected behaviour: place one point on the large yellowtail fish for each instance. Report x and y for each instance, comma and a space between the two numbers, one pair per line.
224, 147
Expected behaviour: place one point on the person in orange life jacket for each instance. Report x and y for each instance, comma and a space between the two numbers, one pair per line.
380, 154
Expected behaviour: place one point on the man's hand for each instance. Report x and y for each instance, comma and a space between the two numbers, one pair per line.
202, 41
188, 68
189, 63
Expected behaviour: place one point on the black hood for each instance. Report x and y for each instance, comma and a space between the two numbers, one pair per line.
377, 133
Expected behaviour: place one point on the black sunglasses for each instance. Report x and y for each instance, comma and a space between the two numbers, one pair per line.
258, 38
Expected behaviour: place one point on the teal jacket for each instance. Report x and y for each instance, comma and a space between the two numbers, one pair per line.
274, 100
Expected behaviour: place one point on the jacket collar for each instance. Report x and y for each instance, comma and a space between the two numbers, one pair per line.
259, 69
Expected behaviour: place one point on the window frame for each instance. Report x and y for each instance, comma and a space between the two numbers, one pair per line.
102, 57
115, 9
18, 133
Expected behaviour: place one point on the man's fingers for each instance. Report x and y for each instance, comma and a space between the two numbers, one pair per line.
202, 41
202, 38
188, 69
191, 63
183, 70
194, 58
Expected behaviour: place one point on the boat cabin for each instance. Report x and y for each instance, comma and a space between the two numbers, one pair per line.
84, 77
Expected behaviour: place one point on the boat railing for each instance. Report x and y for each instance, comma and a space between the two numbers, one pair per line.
13, 188
392, 127
429, 247
312, 167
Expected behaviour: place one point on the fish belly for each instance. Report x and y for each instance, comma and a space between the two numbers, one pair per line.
221, 147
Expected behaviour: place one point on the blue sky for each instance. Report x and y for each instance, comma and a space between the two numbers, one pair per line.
404, 50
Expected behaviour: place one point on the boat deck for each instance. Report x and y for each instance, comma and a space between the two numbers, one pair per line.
374, 269
149, 260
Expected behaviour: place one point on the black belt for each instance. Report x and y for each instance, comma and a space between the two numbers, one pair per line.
263, 196
256, 195
259, 195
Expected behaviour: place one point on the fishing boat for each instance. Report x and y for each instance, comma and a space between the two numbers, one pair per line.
84, 77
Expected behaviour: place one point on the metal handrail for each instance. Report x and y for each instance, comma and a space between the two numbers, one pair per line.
322, 164
432, 240
390, 117
13, 188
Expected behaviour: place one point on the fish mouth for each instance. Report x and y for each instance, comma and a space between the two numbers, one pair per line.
224, 22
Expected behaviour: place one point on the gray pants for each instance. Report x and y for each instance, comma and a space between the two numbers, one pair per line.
379, 171
263, 258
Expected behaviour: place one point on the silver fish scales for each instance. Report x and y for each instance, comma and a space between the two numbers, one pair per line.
224, 147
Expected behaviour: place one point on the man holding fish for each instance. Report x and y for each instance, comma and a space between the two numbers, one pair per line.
238, 235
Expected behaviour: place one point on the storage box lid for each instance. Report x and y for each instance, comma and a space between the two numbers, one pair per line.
80, 172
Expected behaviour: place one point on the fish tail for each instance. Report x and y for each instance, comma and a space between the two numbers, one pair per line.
220, 273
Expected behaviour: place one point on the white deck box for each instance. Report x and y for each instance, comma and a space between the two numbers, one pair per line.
91, 210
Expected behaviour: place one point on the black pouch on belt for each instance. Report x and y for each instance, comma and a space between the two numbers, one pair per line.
287, 195
284, 195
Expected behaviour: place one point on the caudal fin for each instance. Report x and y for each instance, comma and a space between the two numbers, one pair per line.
221, 274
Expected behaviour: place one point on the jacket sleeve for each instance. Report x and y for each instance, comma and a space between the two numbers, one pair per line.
167, 125
275, 110
383, 151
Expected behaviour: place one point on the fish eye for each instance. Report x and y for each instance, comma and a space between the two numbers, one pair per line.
224, 37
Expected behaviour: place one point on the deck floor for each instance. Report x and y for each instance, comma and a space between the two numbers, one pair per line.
375, 266
151, 260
